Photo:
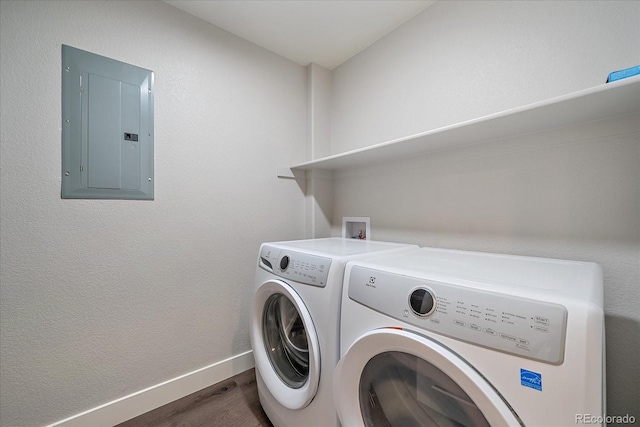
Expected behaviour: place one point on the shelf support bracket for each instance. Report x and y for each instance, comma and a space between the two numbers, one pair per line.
287, 173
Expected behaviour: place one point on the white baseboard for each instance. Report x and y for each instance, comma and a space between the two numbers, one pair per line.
143, 401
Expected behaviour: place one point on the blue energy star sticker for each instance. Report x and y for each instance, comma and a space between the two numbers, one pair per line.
531, 379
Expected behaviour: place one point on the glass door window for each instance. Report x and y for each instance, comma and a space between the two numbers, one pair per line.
397, 377
400, 389
285, 340
285, 344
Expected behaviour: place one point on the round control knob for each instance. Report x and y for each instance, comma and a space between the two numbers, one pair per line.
284, 262
422, 302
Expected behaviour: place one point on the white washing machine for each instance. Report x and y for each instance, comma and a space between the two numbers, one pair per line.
437, 337
295, 325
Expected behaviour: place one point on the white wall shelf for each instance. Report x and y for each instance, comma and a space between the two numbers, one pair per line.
608, 100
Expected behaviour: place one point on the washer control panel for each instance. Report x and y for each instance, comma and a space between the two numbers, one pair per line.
296, 266
516, 325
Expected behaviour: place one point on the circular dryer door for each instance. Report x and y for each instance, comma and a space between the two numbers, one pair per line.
400, 378
285, 345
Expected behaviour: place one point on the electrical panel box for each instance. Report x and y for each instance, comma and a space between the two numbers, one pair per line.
107, 128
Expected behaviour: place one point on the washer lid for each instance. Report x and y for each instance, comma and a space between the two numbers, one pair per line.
285, 344
398, 377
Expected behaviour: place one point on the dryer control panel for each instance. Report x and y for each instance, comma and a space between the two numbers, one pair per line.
521, 326
296, 266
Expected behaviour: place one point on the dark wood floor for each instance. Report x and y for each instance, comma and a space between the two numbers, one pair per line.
230, 403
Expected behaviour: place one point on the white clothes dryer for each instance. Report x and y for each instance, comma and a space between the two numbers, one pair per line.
295, 325
438, 337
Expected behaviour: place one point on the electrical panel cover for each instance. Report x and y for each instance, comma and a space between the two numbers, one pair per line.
107, 128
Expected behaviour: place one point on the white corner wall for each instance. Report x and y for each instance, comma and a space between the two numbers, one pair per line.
104, 298
460, 60
573, 193
318, 184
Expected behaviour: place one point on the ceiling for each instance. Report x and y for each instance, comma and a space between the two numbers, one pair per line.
327, 32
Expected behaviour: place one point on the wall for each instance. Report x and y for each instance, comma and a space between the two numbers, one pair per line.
104, 298
461, 60
572, 193
318, 184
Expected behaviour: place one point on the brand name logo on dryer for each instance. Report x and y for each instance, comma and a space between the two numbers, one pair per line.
372, 282
531, 379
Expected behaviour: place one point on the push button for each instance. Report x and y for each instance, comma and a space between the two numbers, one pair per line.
541, 320
508, 337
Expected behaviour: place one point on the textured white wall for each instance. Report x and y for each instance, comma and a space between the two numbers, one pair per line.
572, 193
104, 298
318, 184
459, 60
